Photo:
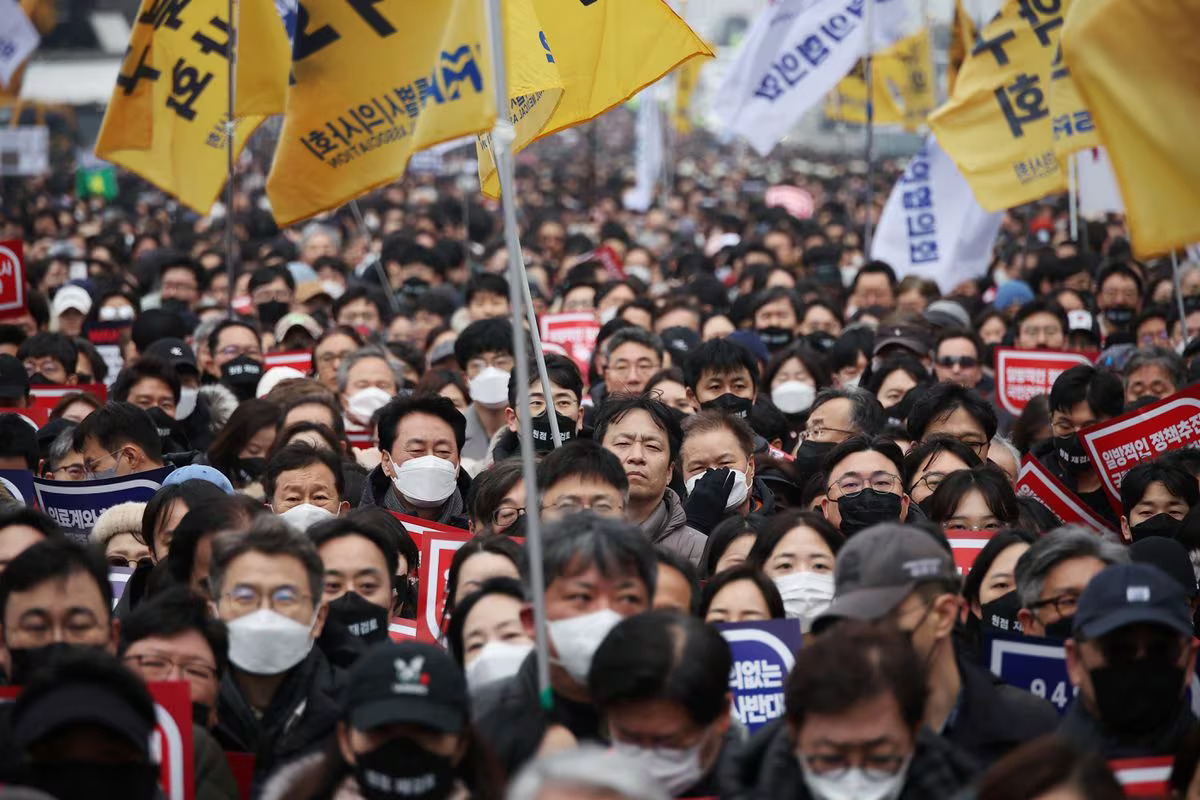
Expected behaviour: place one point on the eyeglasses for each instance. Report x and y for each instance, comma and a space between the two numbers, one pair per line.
272, 295
643, 367
966, 362
975, 444
75, 472
233, 351
118, 561
1065, 604
835, 765
89, 467
572, 505
477, 365
851, 485
506, 515
179, 286
332, 358
818, 432
47, 366
962, 525
932, 480
283, 599
1152, 338
159, 668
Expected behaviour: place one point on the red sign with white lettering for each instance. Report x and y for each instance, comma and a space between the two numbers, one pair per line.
1022, 375
966, 546
12, 278
1035, 481
575, 332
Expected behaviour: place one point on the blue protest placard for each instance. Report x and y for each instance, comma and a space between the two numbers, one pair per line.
763, 655
76, 505
118, 581
1039, 666
19, 483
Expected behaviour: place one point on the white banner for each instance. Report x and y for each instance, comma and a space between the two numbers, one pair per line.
796, 51
648, 169
1098, 190
932, 226
18, 38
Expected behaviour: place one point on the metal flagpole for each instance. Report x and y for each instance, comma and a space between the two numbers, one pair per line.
1073, 198
502, 139
230, 148
1183, 332
376, 261
868, 69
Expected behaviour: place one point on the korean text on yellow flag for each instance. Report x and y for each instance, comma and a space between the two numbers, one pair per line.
605, 52
166, 118
1136, 64
1000, 126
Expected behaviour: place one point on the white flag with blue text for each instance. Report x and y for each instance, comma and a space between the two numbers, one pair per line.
18, 38
932, 226
796, 51
650, 152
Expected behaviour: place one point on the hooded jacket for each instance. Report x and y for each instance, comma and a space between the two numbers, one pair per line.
667, 527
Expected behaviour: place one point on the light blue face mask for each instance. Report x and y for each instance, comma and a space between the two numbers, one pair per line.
104, 474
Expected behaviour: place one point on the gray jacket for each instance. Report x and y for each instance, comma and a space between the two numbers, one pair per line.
667, 527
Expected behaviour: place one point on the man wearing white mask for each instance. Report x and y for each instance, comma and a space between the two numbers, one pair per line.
484, 351
276, 699
420, 443
597, 571
716, 459
366, 380
304, 485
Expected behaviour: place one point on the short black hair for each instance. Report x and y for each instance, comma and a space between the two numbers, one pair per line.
213, 515
398, 408
496, 545
50, 345
485, 282
148, 367
586, 540
989, 481
1177, 481
30, 518
18, 438
171, 612
943, 399
873, 268
947, 334
922, 452
581, 458
780, 525
361, 292
772, 295
562, 372
719, 356
1039, 305
483, 336
225, 325
999, 542
685, 567
117, 424
387, 523
489, 487
265, 275
342, 527
54, 558
614, 409
743, 572
724, 534
1101, 390
663, 655
866, 414
299, 455
269, 536
1118, 268
864, 444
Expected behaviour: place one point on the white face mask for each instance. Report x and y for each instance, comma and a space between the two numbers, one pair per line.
643, 274
608, 314
427, 481
333, 288
792, 397
305, 515
268, 643
676, 770
495, 662
490, 388
577, 639
187, 402
854, 784
805, 595
737, 493
363, 404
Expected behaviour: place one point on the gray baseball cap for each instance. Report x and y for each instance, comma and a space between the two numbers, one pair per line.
880, 566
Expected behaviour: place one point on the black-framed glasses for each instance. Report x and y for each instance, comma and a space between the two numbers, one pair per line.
966, 362
1065, 604
853, 484
507, 515
835, 765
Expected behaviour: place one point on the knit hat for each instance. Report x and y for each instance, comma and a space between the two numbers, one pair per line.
122, 518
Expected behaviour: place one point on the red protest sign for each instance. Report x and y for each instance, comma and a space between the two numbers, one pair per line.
437, 550
38, 416
12, 278
575, 332
1121, 443
609, 258
966, 546
47, 395
242, 767
1143, 777
402, 630
296, 359
1035, 481
1022, 375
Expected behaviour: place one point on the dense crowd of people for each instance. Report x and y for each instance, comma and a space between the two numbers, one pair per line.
769, 426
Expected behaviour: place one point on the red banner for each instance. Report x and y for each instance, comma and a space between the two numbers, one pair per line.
1143, 777
296, 359
437, 551
38, 416
1022, 375
12, 278
966, 546
1035, 481
47, 395
575, 332
1121, 443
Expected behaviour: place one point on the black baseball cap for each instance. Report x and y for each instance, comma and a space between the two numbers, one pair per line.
1168, 555
878, 567
80, 703
1131, 594
407, 683
14, 380
176, 352
909, 337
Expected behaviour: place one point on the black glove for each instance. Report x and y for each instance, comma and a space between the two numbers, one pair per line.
705, 504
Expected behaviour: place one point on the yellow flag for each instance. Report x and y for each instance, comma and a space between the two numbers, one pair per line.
962, 41
1136, 64
903, 79
605, 52
166, 118
686, 78
1002, 126
264, 59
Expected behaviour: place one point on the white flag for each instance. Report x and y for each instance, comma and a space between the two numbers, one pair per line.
796, 51
932, 226
18, 39
648, 168
1098, 190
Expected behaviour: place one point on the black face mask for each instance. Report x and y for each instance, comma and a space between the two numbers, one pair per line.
85, 780
241, 376
28, 661
359, 616
414, 287
776, 338
272, 311
250, 470
1071, 454
1139, 698
1001, 614
38, 379
810, 456
543, 438
868, 507
1158, 525
173, 305
1060, 628
821, 341
731, 404
1120, 317
402, 768
517, 529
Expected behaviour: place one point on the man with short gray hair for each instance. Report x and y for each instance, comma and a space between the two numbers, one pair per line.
835, 416
1052, 574
366, 380
1153, 372
632, 356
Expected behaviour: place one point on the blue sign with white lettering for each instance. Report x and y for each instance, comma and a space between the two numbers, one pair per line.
763, 655
1039, 666
76, 505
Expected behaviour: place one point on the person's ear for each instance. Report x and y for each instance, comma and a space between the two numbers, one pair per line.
319, 625
343, 742
385, 461
1125, 533
526, 615
948, 607
510, 420
725, 718
343, 508
1026, 618
904, 503
750, 471
692, 396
